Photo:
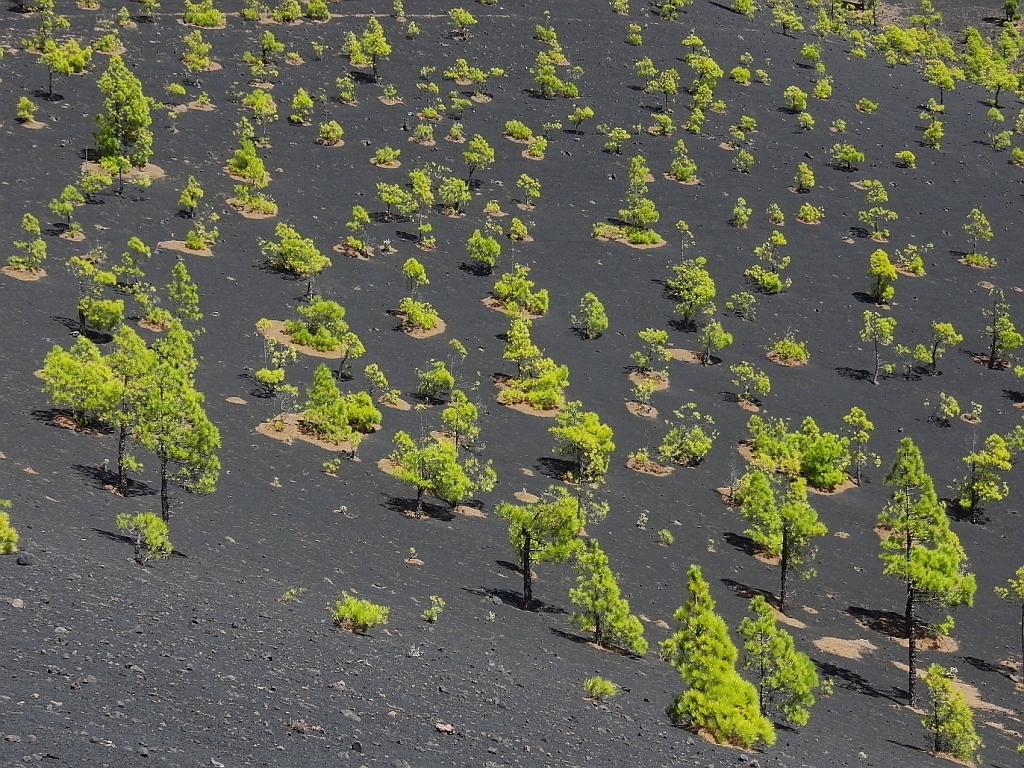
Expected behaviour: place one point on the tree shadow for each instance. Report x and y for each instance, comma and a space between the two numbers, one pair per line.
120, 538
854, 682
861, 232
89, 155
744, 544
683, 325
857, 374
865, 298
361, 77
408, 237
889, 623
514, 599
102, 479
911, 747
407, 507
61, 418
383, 217
476, 269
988, 666
748, 592
555, 468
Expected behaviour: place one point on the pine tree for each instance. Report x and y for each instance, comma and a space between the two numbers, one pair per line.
479, 155
1014, 593
603, 609
373, 44
149, 534
786, 678
586, 439
879, 331
949, 718
921, 551
433, 467
592, 319
983, 483
184, 293
542, 532
716, 698
79, 379
693, 288
296, 254
1003, 334
132, 364
785, 529
173, 424
123, 131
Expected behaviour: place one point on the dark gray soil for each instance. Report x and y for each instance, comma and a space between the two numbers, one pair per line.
195, 661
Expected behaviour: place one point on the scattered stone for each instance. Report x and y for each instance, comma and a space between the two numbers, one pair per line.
17, 603
351, 715
357, 746
13, 738
24, 559
444, 727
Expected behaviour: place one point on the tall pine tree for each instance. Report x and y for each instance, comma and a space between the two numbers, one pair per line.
604, 611
123, 130
921, 551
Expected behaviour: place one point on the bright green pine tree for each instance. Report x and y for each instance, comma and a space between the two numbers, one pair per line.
543, 532
132, 364
716, 699
786, 678
173, 424
921, 551
983, 481
433, 467
603, 610
123, 130
949, 718
784, 528
149, 533
79, 379
586, 439
184, 293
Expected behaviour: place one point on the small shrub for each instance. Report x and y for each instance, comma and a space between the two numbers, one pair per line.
357, 615
203, 14
330, 133
599, 688
149, 534
386, 156
867, 105
433, 613
906, 159
740, 75
788, 350
666, 537
810, 214
518, 130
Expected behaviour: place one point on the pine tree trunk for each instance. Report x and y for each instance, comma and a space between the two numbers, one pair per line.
122, 450
995, 337
874, 378
784, 569
419, 499
165, 501
911, 649
1022, 641
527, 569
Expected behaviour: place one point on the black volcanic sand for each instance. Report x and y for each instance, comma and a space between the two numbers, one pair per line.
196, 662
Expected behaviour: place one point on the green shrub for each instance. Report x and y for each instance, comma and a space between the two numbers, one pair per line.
867, 105
599, 688
740, 75
203, 14
357, 615
518, 130
906, 159
8, 535
149, 534
788, 350
433, 613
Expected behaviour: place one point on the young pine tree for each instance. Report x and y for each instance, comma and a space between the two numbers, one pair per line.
543, 532
603, 610
716, 699
949, 718
786, 678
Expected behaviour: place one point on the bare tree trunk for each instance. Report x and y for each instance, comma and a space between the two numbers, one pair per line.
911, 649
122, 450
527, 569
165, 501
784, 564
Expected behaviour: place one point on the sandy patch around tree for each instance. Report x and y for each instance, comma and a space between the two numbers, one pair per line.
241, 210
526, 497
649, 467
155, 172
423, 333
33, 125
501, 382
493, 302
646, 411
275, 330
181, 247
399, 404
660, 380
848, 649
25, 275
293, 431
689, 356
778, 360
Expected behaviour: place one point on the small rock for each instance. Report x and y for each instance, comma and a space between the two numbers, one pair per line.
143, 752
216, 764
62, 630
357, 746
444, 727
13, 738
351, 715
89, 679
17, 603
24, 559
